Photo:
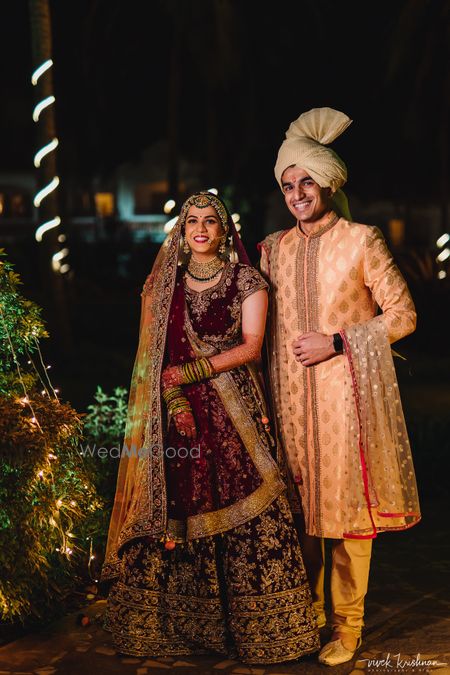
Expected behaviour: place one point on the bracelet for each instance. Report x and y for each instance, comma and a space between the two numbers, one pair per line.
195, 371
338, 343
175, 400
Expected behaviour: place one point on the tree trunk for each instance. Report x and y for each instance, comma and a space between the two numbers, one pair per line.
52, 283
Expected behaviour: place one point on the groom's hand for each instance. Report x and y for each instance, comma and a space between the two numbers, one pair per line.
312, 348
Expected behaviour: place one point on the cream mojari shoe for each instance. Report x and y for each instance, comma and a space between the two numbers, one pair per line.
334, 653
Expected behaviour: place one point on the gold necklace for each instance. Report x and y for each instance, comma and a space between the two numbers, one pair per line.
204, 271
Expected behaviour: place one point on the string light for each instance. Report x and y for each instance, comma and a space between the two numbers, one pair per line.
42, 105
443, 239
40, 71
44, 368
39, 156
49, 147
48, 189
26, 398
45, 227
443, 255
169, 206
57, 257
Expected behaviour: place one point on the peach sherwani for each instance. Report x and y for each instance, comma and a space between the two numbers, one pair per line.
341, 422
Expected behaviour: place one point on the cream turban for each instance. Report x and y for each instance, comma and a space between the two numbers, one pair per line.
305, 146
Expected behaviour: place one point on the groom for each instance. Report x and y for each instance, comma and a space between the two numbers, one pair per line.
338, 411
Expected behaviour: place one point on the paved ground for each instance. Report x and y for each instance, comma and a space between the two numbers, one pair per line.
407, 623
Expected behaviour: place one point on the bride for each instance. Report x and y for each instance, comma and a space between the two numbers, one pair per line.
202, 551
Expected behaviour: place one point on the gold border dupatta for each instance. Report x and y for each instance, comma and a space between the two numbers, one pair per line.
139, 506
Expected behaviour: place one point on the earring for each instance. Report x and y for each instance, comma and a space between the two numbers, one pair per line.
222, 244
186, 248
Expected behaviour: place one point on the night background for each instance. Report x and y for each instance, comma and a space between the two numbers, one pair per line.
157, 99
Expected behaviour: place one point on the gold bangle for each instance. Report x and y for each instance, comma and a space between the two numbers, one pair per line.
195, 371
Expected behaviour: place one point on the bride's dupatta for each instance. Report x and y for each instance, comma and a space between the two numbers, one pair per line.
140, 505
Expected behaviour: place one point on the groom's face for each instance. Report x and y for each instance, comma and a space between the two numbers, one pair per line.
305, 199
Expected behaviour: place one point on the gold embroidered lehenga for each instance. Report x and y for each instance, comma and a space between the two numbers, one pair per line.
235, 583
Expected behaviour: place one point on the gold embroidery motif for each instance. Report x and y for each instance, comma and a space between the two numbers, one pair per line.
255, 442
249, 281
171, 603
199, 300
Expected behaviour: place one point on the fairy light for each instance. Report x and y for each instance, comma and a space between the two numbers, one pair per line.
42, 105
49, 147
215, 191
39, 156
169, 206
45, 227
443, 239
26, 399
443, 255
57, 257
48, 189
442, 274
44, 368
40, 70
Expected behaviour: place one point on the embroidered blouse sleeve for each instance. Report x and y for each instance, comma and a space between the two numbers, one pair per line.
248, 281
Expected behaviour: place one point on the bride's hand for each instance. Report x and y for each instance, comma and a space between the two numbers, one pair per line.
185, 425
171, 377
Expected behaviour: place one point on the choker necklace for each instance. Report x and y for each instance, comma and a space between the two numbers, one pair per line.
204, 271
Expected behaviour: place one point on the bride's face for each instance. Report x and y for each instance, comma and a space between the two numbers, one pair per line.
203, 230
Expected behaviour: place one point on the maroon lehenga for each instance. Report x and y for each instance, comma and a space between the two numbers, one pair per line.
235, 583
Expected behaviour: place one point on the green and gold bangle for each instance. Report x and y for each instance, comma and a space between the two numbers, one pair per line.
195, 371
175, 400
